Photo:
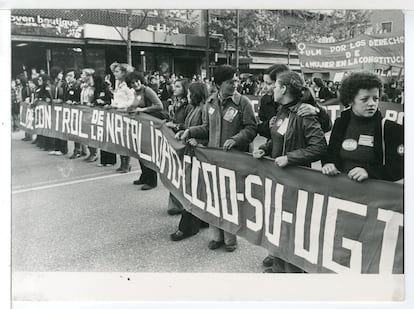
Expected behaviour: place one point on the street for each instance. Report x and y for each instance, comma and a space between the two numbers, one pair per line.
71, 216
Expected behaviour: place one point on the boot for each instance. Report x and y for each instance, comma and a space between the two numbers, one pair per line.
121, 167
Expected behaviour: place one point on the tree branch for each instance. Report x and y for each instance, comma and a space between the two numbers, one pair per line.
142, 22
116, 28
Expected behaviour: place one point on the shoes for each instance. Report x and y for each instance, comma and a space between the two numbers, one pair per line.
174, 211
93, 158
139, 182
268, 271
119, 169
125, 170
146, 187
178, 235
204, 225
101, 165
268, 261
277, 269
230, 248
52, 153
213, 245
58, 153
26, 139
88, 157
82, 154
75, 156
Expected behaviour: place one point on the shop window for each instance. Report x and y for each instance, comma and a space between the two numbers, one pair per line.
386, 27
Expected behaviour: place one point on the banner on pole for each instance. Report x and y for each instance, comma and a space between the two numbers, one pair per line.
362, 52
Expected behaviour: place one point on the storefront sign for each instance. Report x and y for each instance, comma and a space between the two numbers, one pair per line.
362, 52
45, 26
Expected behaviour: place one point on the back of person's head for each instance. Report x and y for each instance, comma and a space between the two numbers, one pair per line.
275, 70
54, 72
318, 81
134, 76
294, 84
223, 73
356, 81
198, 93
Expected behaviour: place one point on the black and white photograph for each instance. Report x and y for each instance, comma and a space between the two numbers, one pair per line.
214, 154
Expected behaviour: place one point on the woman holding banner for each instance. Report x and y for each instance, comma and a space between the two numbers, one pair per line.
102, 97
179, 110
197, 94
362, 144
295, 140
123, 98
146, 101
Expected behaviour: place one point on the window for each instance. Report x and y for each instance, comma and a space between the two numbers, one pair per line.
386, 27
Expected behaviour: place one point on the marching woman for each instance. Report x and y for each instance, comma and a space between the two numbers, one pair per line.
86, 98
197, 95
123, 99
295, 140
363, 144
43, 93
178, 110
102, 98
146, 101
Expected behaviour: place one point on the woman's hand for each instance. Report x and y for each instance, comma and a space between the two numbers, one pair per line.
170, 124
185, 135
108, 106
330, 169
229, 144
258, 153
100, 101
281, 161
358, 174
178, 135
193, 142
307, 110
140, 109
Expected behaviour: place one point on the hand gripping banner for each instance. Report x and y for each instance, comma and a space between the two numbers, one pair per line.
319, 223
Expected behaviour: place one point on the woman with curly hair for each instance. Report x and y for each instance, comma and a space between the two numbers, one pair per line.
362, 144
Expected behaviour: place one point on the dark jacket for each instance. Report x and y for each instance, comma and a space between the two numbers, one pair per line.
195, 118
388, 147
268, 108
304, 140
103, 93
43, 93
58, 90
72, 92
181, 108
242, 127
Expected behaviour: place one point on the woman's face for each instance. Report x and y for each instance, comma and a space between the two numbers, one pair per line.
269, 84
119, 74
60, 76
278, 91
136, 84
365, 103
178, 89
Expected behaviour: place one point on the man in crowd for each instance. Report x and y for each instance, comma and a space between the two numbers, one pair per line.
228, 122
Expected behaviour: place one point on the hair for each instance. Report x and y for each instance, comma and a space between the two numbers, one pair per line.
198, 93
295, 85
275, 70
99, 83
186, 84
134, 76
223, 73
352, 83
318, 81
88, 71
75, 73
122, 66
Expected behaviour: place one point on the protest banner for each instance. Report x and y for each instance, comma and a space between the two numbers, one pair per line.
362, 52
316, 222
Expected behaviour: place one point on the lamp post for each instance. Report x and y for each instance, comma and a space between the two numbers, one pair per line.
237, 39
207, 46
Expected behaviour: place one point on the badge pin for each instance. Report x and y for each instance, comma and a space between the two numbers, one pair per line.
349, 144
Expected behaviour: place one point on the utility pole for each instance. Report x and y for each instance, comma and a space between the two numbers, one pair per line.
237, 39
129, 43
207, 45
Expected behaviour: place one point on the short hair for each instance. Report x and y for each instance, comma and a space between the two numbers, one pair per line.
123, 66
198, 93
88, 71
134, 76
185, 83
223, 73
75, 73
352, 83
318, 81
276, 69
294, 83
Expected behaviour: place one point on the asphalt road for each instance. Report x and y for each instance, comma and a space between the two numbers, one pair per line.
69, 215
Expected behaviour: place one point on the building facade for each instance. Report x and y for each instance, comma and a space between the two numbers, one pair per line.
75, 39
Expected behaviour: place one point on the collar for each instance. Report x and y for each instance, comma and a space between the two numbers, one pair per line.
235, 98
